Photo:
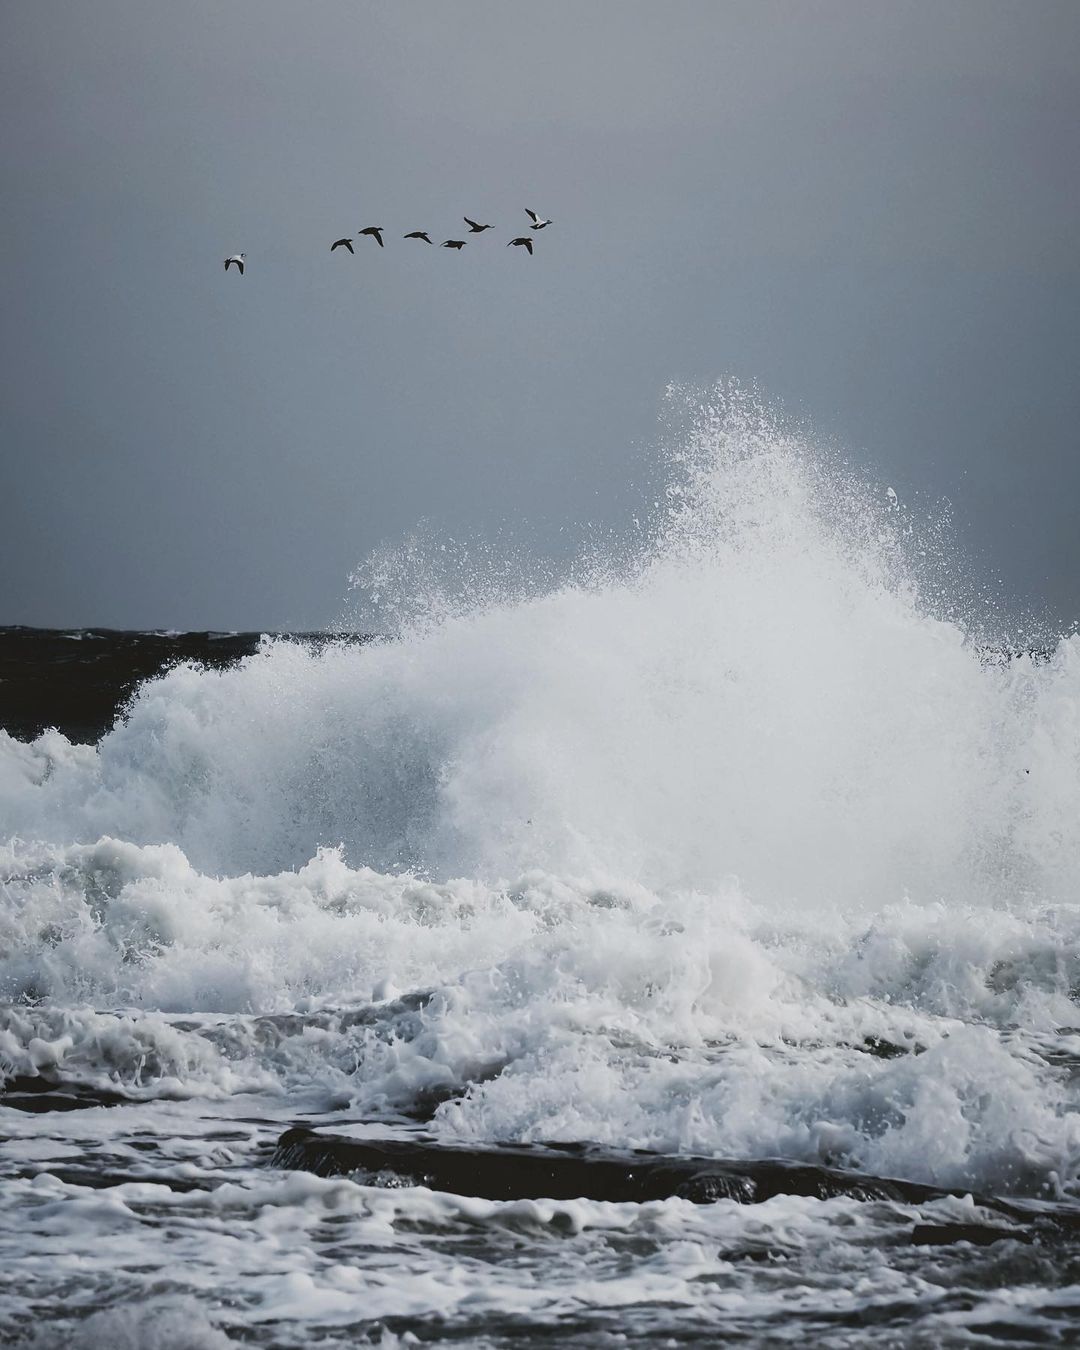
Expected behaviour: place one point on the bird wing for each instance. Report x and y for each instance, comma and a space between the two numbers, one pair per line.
472, 224
528, 247
531, 214
240, 265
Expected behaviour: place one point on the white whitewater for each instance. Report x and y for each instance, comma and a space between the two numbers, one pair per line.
673, 842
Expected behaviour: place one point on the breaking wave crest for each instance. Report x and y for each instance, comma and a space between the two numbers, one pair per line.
672, 847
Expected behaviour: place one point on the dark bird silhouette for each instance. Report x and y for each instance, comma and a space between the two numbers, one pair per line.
238, 259
522, 241
376, 233
341, 243
474, 228
452, 243
537, 223
418, 234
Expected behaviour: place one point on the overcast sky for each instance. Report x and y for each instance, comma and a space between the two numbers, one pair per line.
871, 207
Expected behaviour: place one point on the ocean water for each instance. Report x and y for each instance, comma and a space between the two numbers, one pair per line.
747, 839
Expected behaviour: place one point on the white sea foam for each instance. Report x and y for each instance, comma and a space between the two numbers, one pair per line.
316, 1266
167, 1324
669, 849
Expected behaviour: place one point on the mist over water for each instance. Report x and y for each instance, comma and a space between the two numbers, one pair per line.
738, 838
760, 687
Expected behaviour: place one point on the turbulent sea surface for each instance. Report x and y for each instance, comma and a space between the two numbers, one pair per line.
740, 863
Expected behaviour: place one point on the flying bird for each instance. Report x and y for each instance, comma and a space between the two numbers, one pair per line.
238, 259
341, 243
537, 223
376, 233
522, 241
417, 234
474, 228
452, 243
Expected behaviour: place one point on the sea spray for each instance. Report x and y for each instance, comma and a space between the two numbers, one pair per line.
760, 690
730, 841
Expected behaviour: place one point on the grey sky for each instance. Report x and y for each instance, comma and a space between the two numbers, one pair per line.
871, 208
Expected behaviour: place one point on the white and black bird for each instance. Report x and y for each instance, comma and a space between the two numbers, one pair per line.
474, 228
376, 233
417, 234
238, 259
537, 223
522, 241
452, 243
341, 243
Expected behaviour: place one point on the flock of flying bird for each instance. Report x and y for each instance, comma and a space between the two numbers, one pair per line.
376, 232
